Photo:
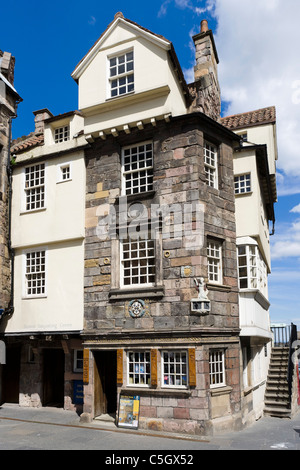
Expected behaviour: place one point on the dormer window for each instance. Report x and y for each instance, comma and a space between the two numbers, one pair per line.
61, 134
121, 74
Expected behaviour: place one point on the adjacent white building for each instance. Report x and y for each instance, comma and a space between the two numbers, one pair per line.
48, 220
255, 195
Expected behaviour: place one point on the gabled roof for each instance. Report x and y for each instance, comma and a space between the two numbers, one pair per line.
161, 40
119, 18
251, 118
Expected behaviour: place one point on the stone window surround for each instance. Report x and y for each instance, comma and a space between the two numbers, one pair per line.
220, 242
218, 371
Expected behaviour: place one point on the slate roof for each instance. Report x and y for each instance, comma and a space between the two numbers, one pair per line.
250, 118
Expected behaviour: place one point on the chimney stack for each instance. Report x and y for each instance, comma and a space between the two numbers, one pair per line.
40, 116
206, 92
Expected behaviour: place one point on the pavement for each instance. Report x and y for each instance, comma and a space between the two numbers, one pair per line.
23, 428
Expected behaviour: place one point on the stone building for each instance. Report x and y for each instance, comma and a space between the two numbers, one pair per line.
9, 100
126, 273
161, 295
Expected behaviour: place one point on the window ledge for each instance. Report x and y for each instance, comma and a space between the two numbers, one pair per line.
212, 286
149, 292
249, 193
155, 391
136, 197
33, 211
222, 390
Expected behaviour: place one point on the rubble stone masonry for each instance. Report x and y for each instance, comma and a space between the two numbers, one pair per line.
179, 179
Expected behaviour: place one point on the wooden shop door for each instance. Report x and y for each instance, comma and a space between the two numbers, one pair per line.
11, 375
105, 382
53, 377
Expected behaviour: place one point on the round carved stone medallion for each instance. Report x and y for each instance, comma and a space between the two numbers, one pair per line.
136, 308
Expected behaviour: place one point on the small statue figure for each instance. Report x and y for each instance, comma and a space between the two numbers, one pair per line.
202, 289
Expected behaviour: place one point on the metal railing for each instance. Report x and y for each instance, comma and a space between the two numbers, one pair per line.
291, 366
282, 335
286, 336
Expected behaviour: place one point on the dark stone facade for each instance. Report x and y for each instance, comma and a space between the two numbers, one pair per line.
179, 178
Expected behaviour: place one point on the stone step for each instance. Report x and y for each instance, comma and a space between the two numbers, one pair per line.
277, 412
280, 401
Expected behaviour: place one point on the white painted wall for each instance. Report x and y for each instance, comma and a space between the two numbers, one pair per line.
156, 88
59, 229
251, 218
63, 216
62, 307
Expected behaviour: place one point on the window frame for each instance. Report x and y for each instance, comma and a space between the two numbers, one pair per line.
43, 294
261, 276
181, 374
119, 76
238, 184
144, 363
214, 373
64, 131
218, 262
60, 169
248, 266
211, 167
139, 266
27, 192
148, 169
76, 359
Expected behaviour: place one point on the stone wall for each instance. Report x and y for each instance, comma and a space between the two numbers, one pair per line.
179, 179
4, 255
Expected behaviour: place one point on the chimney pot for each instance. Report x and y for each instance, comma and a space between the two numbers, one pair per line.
204, 26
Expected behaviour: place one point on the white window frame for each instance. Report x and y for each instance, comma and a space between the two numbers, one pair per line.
174, 375
133, 267
214, 261
43, 286
60, 172
217, 372
242, 184
211, 164
121, 79
37, 188
139, 368
76, 367
250, 269
137, 168
61, 134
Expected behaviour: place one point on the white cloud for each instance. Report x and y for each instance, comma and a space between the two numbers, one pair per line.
257, 43
286, 243
92, 20
296, 209
186, 4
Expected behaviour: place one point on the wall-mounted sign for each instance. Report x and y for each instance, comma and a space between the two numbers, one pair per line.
129, 408
86, 366
78, 392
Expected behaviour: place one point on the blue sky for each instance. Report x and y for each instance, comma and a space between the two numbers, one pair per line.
257, 43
